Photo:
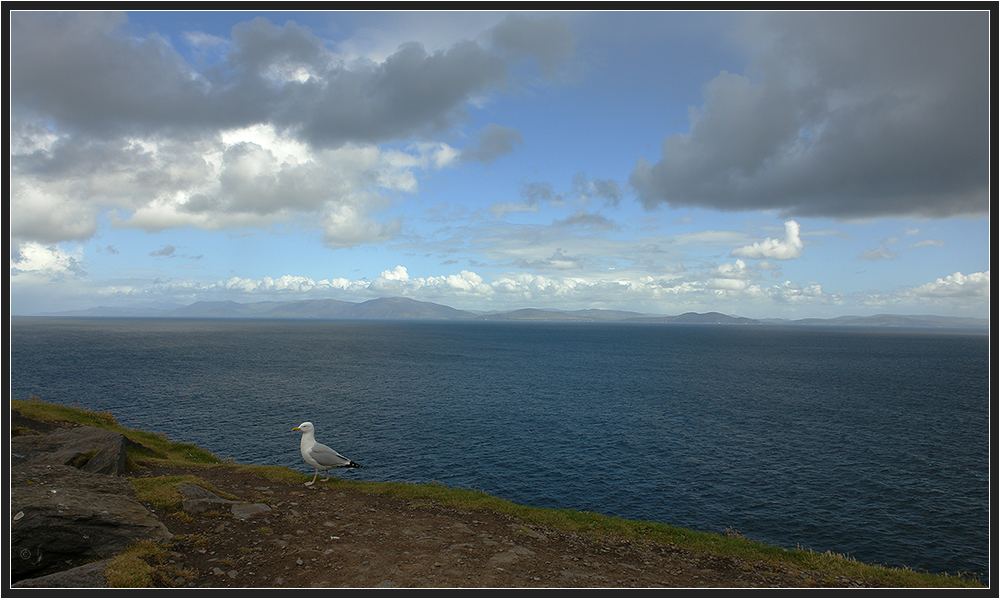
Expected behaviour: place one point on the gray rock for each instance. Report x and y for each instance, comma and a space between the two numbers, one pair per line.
88, 448
61, 515
86, 576
198, 499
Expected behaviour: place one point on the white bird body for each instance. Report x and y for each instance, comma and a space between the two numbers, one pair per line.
320, 456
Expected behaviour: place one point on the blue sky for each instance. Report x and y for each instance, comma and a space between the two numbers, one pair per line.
756, 164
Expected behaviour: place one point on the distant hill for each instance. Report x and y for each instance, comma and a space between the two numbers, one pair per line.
383, 308
893, 320
400, 308
529, 314
696, 318
328, 308
108, 312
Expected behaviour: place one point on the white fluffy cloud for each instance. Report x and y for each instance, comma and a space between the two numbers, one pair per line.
249, 177
974, 286
46, 262
788, 248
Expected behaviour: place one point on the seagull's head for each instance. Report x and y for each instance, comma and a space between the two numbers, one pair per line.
305, 427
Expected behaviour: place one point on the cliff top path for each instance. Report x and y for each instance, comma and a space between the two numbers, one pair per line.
329, 535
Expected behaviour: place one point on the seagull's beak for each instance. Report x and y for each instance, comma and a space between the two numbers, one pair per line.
296, 429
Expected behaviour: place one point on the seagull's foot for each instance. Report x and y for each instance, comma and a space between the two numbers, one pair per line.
309, 484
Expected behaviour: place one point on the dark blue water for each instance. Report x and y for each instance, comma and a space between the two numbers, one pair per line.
872, 444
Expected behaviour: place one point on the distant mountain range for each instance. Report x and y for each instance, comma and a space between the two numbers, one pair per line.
400, 308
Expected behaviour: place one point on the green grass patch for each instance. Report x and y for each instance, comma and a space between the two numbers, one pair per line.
129, 571
142, 565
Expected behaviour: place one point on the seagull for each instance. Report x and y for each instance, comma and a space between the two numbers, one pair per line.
320, 456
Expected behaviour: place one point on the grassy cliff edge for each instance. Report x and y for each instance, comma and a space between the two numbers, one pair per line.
161, 451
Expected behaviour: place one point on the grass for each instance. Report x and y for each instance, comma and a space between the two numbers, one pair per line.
162, 492
143, 565
130, 569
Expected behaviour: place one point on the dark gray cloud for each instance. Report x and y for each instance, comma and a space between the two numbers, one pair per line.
493, 142
548, 41
411, 93
842, 115
87, 73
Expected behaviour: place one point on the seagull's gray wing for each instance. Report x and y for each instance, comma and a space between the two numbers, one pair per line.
327, 458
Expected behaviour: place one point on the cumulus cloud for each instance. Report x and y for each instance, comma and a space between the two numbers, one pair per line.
842, 115
83, 70
46, 262
274, 127
954, 286
788, 248
247, 177
50, 212
397, 274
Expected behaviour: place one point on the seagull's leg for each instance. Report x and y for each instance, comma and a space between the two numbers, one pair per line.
314, 478
327, 476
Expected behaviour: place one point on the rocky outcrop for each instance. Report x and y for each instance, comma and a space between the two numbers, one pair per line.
71, 510
90, 449
63, 516
68, 504
89, 575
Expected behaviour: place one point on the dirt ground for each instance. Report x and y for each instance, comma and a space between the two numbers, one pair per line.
330, 536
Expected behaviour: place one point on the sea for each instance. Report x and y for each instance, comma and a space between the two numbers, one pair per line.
872, 443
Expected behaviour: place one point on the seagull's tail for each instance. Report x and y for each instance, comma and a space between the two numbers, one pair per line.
353, 464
